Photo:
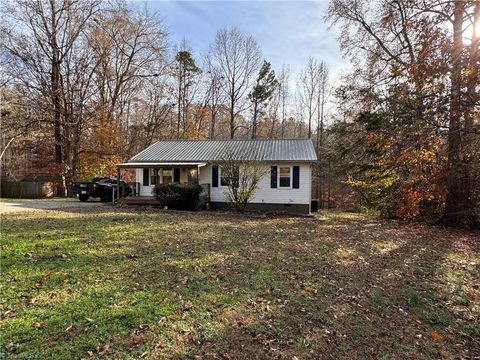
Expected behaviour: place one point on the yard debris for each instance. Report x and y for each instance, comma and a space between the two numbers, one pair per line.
103, 350
416, 319
437, 336
289, 294
160, 344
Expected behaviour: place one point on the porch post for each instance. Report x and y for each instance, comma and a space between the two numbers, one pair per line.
118, 182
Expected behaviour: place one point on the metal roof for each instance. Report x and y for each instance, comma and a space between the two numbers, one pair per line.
156, 163
176, 151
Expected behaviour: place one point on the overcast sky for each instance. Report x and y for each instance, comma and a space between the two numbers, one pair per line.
287, 31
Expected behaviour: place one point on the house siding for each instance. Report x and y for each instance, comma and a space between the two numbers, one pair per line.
265, 194
144, 190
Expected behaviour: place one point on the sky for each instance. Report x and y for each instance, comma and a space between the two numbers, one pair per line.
288, 32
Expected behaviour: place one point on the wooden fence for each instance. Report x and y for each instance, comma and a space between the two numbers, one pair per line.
26, 189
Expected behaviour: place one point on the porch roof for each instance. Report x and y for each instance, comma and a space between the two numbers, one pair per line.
160, 164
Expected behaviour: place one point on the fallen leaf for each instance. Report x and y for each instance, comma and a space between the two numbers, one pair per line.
104, 350
416, 319
436, 336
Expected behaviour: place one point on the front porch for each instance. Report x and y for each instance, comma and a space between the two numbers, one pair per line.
148, 175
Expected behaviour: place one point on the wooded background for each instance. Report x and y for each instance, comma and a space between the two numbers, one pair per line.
87, 84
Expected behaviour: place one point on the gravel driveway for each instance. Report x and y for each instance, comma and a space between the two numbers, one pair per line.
21, 205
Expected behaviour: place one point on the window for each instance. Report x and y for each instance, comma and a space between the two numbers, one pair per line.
153, 176
223, 178
284, 175
167, 176
227, 179
192, 175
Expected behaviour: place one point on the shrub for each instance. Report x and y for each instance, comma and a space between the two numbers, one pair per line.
178, 196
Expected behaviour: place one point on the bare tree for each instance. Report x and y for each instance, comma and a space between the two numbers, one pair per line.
241, 177
42, 37
129, 46
150, 113
308, 85
284, 95
322, 97
213, 96
78, 66
238, 58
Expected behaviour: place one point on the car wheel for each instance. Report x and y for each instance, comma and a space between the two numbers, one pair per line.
83, 198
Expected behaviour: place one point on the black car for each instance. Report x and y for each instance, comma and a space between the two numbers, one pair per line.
100, 187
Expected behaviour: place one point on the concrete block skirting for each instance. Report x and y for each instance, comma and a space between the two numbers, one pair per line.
267, 207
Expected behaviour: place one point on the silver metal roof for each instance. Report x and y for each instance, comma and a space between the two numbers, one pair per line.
156, 163
176, 151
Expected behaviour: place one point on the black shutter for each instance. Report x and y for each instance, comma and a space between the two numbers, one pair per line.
273, 177
296, 177
176, 175
214, 176
145, 177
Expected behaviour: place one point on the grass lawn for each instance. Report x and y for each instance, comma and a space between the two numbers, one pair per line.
118, 283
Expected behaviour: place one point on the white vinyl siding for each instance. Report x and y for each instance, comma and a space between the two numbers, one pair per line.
265, 194
144, 190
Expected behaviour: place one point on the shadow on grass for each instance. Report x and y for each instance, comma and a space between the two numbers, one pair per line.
172, 284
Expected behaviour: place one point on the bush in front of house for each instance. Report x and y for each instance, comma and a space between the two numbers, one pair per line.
178, 196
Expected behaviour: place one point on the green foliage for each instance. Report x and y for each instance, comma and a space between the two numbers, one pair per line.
187, 62
386, 154
179, 196
265, 86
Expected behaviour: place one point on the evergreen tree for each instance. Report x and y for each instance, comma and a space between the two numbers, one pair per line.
262, 93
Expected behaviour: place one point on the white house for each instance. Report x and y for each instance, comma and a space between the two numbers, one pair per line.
287, 185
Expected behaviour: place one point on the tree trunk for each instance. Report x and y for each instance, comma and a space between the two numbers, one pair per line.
212, 123
179, 115
254, 123
473, 78
56, 101
232, 118
459, 206
214, 109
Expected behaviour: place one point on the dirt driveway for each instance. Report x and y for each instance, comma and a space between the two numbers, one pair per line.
8, 206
